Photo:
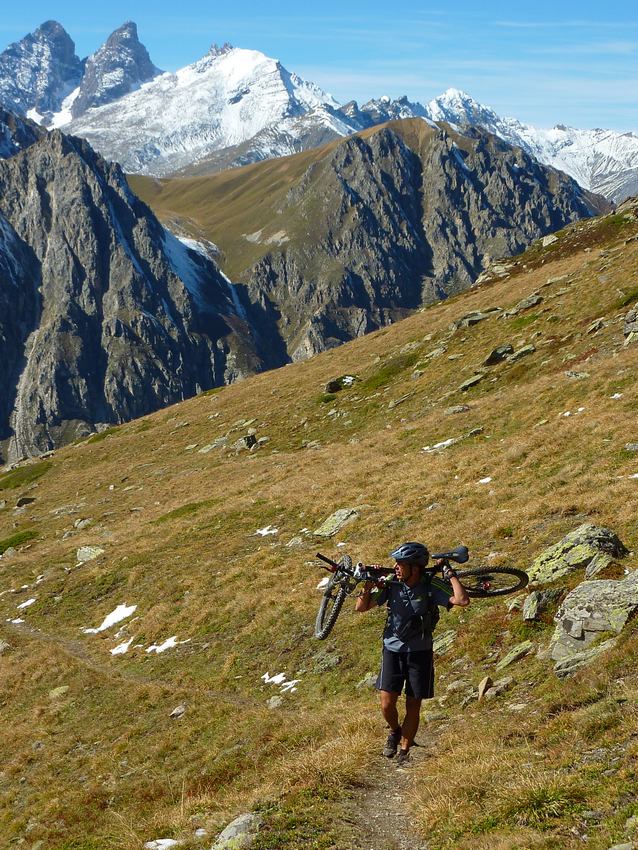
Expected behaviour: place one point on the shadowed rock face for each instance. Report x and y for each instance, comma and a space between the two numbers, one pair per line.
119, 66
39, 71
394, 221
108, 316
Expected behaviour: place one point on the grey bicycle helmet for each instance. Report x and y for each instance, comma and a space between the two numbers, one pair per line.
415, 554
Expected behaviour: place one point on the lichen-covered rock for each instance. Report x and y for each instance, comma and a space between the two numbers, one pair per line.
631, 323
240, 833
515, 654
336, 521
592, 610
537, 601
588, 547
498, 354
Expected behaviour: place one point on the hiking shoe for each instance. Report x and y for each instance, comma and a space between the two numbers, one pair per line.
402, 758
392, 744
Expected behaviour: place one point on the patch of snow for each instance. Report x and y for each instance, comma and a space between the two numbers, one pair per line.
178, 255
347, 380
64, 115
27, 603
289, 686
121, 648
438, 446
116, 616
34, 115
616, 395
267, 529
16, 621
169, 643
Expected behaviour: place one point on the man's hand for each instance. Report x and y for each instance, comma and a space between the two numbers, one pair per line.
448, 572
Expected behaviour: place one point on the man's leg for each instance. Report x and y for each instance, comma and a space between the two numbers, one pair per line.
391, 715
410, 725
389, 709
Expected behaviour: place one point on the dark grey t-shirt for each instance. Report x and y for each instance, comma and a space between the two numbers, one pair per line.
405, 603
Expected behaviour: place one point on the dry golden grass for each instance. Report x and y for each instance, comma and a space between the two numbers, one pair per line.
178, 528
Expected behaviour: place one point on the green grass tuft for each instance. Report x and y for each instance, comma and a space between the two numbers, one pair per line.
24, 475
102, 435
184, 510
17, 539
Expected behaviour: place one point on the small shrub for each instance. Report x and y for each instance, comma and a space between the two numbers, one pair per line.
102, 435
184, 510
541, 802
326, 398
24, 475
627, 298
17, 539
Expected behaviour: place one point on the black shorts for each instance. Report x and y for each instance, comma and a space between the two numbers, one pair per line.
415, 670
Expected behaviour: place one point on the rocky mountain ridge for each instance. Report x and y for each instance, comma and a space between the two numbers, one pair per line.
42, 77
363, 231
217, 114
119, 317
112, 316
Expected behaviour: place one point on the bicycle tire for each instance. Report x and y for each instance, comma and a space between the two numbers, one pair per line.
331, 603
492, 581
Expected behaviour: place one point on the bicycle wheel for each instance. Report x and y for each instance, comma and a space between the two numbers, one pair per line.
492, 581
331, 602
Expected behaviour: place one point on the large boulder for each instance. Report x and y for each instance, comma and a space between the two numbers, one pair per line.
592, 611
589, 547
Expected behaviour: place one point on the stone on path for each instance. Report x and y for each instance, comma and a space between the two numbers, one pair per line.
589, 547
240, 833
336, 521
484, 685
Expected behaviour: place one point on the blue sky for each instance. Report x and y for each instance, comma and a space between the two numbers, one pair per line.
545, 63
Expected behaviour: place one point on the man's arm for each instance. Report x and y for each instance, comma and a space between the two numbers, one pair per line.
365, 601
459, 596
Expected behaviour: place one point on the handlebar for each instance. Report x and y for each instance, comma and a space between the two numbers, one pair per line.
369, 573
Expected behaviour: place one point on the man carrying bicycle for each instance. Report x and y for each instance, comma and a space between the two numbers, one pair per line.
412, 599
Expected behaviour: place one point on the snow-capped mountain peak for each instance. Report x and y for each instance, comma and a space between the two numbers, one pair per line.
39, 71
120, 65
222, 100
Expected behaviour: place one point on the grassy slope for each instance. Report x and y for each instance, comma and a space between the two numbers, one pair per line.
230, 205
178, 529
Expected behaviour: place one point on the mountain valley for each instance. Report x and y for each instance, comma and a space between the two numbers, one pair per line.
109, 742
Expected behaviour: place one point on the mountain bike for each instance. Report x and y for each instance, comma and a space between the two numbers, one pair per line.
479, 582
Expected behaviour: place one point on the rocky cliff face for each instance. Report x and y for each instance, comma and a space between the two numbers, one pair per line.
105, 315
398, 219
121, 65
39, 71
17, 133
